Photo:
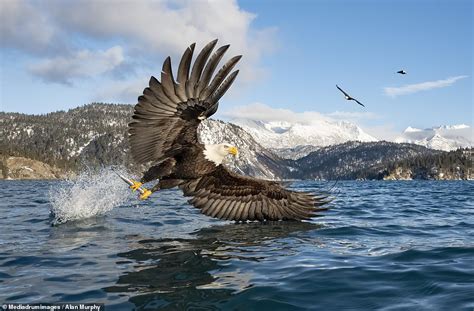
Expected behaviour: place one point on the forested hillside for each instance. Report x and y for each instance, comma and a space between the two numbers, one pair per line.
447, 165
89, 135
384, 160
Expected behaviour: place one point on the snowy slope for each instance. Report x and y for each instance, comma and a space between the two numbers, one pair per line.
282, 134
253, 159
447, 137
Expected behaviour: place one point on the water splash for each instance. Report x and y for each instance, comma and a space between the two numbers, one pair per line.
91, 193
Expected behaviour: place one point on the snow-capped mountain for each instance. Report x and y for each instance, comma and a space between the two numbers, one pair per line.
253, 159
447, 137
283, 134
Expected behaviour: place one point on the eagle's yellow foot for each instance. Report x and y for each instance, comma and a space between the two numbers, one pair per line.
136, 185
145, 194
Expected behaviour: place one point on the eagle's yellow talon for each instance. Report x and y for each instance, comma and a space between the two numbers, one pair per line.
136, 185
145, 194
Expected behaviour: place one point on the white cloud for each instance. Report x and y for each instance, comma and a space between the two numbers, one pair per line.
126, 92
424, 86
259, 111
81, 64
23, 27
168, 27
386, 132
158, 25
148, 31
347, 115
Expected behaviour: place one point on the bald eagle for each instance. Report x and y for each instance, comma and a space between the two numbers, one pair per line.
164, 132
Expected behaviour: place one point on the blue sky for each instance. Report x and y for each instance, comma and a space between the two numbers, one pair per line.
57, 55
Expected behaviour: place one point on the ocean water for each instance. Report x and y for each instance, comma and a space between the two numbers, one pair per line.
382, 246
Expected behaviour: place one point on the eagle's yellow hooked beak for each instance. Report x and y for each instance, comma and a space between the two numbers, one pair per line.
233, 151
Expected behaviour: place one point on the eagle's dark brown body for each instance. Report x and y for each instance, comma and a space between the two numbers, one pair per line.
164, 132
188, 164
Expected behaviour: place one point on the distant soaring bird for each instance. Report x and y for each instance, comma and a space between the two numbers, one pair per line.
348, 97
402, 72
164, 133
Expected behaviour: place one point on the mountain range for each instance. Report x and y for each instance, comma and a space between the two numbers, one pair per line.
441, 137
95, 135
324, 132
297, 139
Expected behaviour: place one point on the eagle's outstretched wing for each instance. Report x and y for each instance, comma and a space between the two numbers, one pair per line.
168, 113
227, 195
359, 102
345, 94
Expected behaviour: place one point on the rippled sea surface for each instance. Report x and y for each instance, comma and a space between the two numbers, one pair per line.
382, 246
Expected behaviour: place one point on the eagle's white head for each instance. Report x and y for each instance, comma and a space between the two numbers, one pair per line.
216, 153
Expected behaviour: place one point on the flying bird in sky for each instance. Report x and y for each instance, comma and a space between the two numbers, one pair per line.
402, 72
348, 97
163, 133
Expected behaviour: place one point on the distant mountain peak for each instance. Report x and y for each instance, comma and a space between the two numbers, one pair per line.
443, 137
412, 129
